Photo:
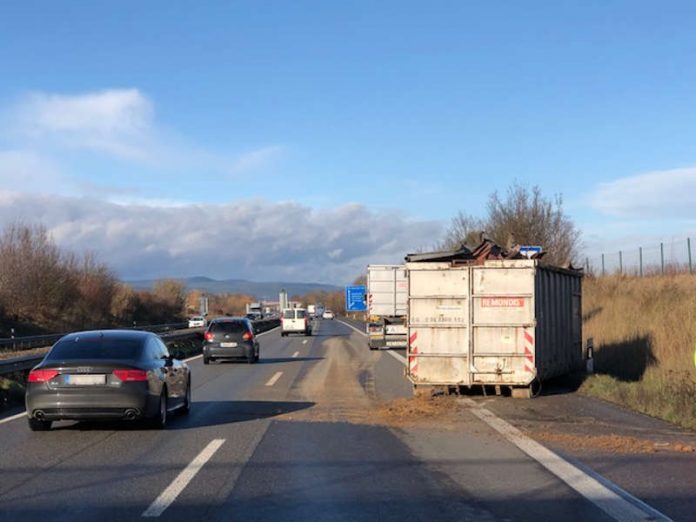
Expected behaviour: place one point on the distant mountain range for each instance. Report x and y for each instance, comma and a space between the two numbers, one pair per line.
240, 286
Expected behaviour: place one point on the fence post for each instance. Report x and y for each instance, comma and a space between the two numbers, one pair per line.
688, 246
620, 262
587, 264
662, 257
602, 264
640, 255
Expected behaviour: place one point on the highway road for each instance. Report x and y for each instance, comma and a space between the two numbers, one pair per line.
322, 429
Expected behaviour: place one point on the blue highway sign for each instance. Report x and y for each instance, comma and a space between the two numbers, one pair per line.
355, 299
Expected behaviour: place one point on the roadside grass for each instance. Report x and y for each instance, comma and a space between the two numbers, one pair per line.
644, 332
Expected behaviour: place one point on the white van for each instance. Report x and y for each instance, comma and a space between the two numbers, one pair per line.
295, 320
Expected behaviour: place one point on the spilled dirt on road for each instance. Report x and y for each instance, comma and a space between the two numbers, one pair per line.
611, 443
342, 387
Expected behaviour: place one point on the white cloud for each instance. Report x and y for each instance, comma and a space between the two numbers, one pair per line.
118, 123
661, 194
22, 170
254, 159
247, 239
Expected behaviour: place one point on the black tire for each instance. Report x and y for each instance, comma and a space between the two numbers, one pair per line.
39, 425
186, 408
159, 421
206, 360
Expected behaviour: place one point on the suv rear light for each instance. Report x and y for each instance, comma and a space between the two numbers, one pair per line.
131, 375
41, 375
208, 336
248, 336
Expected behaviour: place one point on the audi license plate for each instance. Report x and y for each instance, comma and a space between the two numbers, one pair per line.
228, 345
85, 380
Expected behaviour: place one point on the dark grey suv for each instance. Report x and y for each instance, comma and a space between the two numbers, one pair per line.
230, 338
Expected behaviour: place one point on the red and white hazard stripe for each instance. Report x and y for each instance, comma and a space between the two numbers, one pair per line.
529, 365
413, 352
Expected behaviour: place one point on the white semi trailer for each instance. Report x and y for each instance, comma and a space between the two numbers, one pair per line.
387, 299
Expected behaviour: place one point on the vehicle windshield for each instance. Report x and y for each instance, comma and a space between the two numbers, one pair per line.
301, 314
288, 314
228, 327
95, 348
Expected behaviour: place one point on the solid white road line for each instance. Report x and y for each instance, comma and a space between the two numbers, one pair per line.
274, 379
394, 354
268, 331
181, 481
296, 354
353, 327
607, 496
397, 356
13, 417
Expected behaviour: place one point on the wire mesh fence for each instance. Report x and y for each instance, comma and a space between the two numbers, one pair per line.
671, 257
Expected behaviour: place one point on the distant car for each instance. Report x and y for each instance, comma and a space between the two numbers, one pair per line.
230, 338
197, 321
295, 320
107, 375
328, 314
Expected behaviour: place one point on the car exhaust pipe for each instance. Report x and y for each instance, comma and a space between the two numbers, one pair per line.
131, 414
39, 415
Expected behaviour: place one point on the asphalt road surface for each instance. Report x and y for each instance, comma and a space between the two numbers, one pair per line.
323, 429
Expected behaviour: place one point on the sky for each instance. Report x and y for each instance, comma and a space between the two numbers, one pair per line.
302, 140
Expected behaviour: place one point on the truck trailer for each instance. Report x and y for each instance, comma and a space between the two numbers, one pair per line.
506, 323
387, 296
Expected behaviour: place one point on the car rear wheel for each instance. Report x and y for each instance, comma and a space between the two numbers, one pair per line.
206, 360
186, 408
159, 421
39, 425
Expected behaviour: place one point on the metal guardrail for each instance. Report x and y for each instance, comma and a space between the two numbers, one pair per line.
167, 332
40, 341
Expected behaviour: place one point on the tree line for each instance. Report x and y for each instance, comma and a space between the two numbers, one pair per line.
45, 289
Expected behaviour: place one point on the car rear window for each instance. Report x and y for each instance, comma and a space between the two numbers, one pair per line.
301, 314
288, 314
96, 348
228, 327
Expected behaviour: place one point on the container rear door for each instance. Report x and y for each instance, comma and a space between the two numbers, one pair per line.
387, 290
503, 323
438, 318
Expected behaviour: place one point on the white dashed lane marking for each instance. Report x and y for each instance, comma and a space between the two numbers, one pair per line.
181, 481
274, 379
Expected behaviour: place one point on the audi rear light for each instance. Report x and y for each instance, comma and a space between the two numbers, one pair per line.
42, 375
208, 336
131, 375
248, 336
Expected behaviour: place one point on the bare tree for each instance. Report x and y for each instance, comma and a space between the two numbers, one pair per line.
532, 219
464, 229
523, 216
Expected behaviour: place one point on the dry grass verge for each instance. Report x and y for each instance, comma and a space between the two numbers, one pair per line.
644, 331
